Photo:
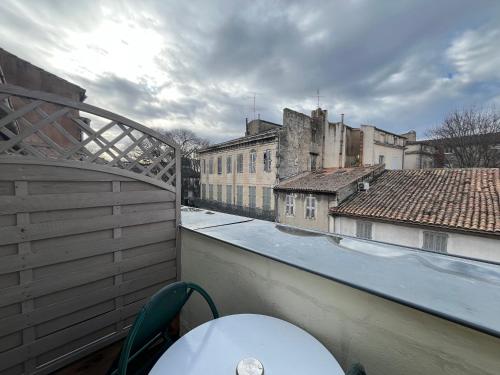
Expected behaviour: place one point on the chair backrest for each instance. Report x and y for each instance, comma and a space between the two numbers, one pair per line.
156, 316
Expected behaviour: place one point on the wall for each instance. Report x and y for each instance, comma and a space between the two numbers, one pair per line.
459, 244
373, 147
388, 338
418, 156
81, 248
320, 222
21, 73
259, 179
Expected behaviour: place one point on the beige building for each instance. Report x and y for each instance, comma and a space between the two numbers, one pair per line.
239, 175
305, 200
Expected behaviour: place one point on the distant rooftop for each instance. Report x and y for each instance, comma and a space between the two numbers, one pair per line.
458, 199
329, 180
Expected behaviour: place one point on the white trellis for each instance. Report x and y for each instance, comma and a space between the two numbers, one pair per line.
46, 126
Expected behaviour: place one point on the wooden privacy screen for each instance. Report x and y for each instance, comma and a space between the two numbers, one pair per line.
87, 227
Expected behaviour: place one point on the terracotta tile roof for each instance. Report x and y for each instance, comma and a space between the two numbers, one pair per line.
460, 199
328, 180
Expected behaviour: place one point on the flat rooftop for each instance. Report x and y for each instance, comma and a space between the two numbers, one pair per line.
460, 290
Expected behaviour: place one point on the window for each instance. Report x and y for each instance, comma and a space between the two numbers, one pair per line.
203, 191
381, 159
435, 241
211, 192
251, 161
267, 161
314, 134
229, 164
219, 165
364, 229
229, 194
204, 166
251, 196
314, 158
219, 193
266, 198
290, 205
211, 166
239, 195
310, 207
239, 163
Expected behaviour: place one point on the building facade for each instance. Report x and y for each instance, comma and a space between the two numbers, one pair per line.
454, 211
270, 153
305, 200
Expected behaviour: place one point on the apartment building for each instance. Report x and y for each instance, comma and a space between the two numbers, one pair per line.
240, 174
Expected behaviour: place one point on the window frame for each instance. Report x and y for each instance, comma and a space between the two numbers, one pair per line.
239, 195
289, 204
363, 227
229, 194
267, 161
310, 208
203, 191
211, 166
210, 192
229, 164
434, 244
252, 161
239, 163
219, 193
266, 193
252, 198
219, 165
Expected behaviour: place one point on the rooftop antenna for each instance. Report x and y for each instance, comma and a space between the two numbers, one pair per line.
318, 96
254, 95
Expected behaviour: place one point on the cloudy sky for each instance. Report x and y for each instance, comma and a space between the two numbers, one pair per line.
399, 65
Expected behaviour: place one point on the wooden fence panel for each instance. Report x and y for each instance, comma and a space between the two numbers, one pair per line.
82, 247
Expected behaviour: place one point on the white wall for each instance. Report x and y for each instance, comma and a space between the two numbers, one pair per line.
471, 246
388, 338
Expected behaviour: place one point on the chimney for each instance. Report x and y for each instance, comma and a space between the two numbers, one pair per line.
246, 125
342, 118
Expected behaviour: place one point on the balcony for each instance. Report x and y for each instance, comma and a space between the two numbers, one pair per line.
86, 238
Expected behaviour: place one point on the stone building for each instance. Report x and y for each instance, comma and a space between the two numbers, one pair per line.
18, 72
239, 175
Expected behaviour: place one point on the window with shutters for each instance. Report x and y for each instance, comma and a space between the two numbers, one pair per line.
251, 161
219, 165
239, 163
267, 161
204, 166
229, 194
435, 241
364, 229
310, 207
290, 205
251, 196
229, 165
204, 191
211, 192
211, 166
219, 193
266, 198
239, 195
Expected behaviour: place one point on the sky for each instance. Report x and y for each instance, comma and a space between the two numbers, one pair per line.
398, 65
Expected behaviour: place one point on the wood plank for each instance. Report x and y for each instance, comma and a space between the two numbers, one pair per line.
64, 201
40, 315
40, 231
64, 252
15, 294
29, 172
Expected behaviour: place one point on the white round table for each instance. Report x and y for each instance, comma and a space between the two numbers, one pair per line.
216, 347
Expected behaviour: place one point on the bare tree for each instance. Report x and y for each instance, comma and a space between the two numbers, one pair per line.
187, 139
469, 138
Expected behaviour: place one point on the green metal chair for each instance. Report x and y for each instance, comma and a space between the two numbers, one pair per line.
356, 369
153, 321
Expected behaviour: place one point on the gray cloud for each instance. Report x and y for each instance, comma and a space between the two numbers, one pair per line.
398, 65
